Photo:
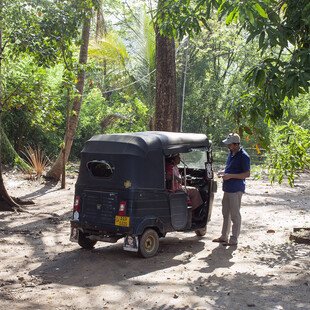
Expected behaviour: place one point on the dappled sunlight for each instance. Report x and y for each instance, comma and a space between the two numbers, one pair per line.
114, 263
42, 269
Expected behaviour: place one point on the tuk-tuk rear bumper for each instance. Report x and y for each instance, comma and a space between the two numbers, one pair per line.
94, 234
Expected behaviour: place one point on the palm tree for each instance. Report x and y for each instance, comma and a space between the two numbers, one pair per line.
132, 68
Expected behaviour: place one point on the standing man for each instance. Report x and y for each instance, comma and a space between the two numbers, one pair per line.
236, 171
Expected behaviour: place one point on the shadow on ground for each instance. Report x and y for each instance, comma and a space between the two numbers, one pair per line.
110, 264
48, 187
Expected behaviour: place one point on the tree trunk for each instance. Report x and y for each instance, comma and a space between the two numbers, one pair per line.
8, 153
6, 202
166, 109
56, 171
183, 82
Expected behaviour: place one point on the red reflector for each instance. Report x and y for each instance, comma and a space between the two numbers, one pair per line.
76, 206
122, 208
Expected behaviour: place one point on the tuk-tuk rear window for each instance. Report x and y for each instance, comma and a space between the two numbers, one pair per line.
100, 169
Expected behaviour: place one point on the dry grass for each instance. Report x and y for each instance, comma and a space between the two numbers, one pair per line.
36, 159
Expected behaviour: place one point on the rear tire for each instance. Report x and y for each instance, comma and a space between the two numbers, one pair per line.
201, 231
148, 243
85, 242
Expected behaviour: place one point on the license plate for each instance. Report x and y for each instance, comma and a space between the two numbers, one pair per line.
122, 221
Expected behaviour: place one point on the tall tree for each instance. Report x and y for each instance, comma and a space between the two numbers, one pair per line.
166, 110
57, 169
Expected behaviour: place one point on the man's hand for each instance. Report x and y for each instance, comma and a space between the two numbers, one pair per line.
240, 176
226, 176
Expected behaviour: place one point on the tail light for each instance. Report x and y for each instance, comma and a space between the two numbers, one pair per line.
77, 206
122, 208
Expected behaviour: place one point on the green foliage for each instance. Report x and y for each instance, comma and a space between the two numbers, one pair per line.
122, 114
109, 49
134, 112
177, 18
298, 110
218, 61
248, 63
280, 73
35, 98
281, 29
36, 35
43, 29
32, 103
289, 152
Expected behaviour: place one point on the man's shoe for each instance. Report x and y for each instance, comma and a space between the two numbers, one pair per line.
219, 240
230, 243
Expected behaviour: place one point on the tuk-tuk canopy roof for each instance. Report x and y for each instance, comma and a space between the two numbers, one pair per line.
140, 143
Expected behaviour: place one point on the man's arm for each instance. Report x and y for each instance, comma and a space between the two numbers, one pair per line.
241, 176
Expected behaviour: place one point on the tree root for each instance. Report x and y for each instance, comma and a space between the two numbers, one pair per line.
22, 202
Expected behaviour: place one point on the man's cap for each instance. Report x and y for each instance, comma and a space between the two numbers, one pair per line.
232, 138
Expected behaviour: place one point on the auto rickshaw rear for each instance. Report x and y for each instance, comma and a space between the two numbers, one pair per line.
121, 190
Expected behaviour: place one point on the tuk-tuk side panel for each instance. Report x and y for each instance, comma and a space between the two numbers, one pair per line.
150, 209
150, 222
179, 210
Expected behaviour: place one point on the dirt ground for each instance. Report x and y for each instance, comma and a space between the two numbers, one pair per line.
41, 269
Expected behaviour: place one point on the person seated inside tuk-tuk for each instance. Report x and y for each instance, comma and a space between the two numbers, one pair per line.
174, 181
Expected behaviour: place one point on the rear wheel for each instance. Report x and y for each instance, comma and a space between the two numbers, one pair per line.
148, 243
85, 242
201, 231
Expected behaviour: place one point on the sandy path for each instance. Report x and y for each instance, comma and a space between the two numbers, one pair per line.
41, 269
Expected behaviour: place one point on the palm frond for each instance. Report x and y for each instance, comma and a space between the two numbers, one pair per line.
109, 48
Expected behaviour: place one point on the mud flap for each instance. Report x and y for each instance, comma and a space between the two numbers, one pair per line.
131, 243
74, 235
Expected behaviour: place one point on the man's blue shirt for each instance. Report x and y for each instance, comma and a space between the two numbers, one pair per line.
238, 163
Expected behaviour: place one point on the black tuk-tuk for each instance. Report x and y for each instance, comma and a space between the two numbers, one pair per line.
121, 189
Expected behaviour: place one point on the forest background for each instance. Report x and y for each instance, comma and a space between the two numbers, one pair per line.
73, 69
